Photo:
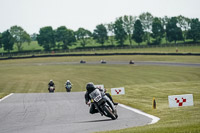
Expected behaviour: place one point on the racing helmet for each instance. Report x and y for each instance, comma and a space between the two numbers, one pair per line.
68, 81
51, 80
90, 86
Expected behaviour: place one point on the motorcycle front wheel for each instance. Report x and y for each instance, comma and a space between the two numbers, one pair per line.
109, 113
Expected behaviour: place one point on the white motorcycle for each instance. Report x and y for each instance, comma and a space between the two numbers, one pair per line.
103, 104
51, 89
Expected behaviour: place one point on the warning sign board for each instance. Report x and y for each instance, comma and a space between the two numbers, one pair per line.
118, 91
180, 100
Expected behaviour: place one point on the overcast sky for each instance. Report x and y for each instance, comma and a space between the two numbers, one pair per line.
32, 15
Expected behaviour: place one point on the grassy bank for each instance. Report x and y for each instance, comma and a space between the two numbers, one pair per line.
171, 48
142, 83
166, 58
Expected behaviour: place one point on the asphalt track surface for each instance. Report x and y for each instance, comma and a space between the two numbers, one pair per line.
109, 63
60, 113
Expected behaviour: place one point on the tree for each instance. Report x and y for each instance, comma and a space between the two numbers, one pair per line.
33, 37
184, 24
129, 26
66, 36
82, 35
120, 33
157, 30
194, 32
100, 34
164, 22
110, 28
0, 40
46, 38
138, 32
20, 36
146, 20
173, 32
7, 40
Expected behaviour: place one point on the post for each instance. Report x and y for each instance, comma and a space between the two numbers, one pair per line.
154, 103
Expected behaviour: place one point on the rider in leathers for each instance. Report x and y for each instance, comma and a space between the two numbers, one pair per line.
51, 83
90, 88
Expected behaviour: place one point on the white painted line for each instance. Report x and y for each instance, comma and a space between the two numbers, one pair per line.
154, 118
6, 97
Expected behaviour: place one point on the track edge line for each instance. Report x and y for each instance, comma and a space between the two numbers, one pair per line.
6, 97
154, 118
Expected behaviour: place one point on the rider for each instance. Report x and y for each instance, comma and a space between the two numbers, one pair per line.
68, 82
90, 88
51, 83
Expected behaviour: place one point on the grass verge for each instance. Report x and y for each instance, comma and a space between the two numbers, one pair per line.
142, 83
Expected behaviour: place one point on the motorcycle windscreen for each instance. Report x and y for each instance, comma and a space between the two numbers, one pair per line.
68, 86
51, 88
96, 95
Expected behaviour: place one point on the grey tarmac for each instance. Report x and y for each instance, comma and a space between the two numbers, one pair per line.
160, 63
60, 113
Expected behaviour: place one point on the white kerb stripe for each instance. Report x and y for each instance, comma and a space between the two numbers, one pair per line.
154, 118
6, 97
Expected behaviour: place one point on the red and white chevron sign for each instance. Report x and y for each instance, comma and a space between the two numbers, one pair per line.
118, 91
180, 100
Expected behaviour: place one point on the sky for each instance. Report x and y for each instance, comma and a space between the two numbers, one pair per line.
32, 15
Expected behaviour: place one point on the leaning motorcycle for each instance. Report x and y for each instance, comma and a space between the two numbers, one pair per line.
103, 104
68, 87
51, 89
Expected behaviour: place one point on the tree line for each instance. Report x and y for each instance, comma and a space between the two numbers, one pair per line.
142, 28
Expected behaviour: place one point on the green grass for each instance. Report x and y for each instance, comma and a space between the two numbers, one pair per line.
25, 46
184, 59
145, 49
142, 83
92, 43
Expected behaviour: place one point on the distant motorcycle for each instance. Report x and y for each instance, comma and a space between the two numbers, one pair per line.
103, 104
68, 87
51, 89
103, 62
131, 62
82, 61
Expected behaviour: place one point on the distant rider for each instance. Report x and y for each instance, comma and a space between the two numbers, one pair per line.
90, 88
51, 83
68, 82
68, 86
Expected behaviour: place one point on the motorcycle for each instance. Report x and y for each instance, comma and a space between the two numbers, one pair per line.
103, 104
68, 87
82, 61
103, 62
51, 89
131, 62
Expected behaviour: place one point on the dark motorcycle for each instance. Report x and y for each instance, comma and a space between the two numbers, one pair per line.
103, 104
82, 61
51, 89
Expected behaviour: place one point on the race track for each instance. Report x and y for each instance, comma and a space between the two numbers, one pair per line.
60, 113
67, 112
109, 63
